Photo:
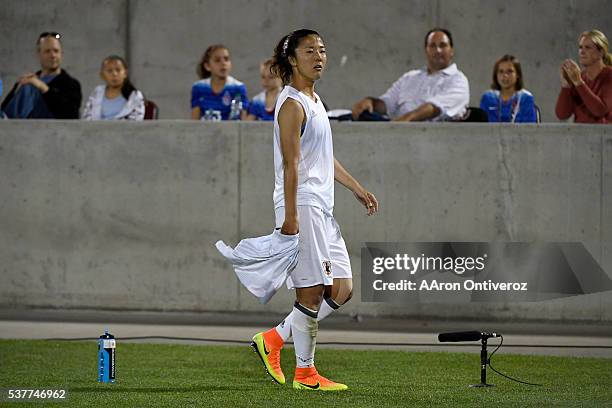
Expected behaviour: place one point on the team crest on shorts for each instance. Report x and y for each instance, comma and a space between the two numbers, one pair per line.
327, 268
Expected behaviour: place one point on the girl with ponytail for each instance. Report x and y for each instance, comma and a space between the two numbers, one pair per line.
305, 170
118, 98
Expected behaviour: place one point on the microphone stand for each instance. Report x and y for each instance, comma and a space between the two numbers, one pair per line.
483, 366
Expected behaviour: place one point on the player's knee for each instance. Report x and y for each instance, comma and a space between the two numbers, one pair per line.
313, 303
311, 299
342, 298
343, 291
349, 296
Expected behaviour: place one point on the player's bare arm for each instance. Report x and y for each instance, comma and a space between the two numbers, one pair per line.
290, 118
342, 176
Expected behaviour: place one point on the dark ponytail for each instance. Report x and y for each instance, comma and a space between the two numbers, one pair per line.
285, 49
127, 88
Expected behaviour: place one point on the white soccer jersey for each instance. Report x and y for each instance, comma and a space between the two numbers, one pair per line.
316, 165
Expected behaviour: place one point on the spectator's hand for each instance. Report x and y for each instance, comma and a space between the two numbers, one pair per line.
368, 200
407, 117
42, 87
33, 80
565, 83
572, 70
25, 79
362, 105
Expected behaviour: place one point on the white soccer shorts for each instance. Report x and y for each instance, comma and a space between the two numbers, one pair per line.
323, 255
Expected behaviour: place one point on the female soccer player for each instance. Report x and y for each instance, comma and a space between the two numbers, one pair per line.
305, 169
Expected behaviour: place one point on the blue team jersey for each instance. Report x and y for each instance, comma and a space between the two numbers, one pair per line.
219, 104
258, 107
518, 109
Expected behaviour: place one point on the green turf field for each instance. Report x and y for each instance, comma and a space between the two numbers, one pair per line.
164, 375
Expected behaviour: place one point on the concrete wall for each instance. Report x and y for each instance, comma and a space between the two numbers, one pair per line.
125, 215
163, 40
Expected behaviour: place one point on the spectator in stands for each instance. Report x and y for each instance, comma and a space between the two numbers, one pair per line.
438, 91
263, 104
213, 94
508, 101
49, 93
118, 99
587, 93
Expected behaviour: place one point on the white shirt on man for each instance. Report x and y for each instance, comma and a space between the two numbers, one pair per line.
316, 164
447, 89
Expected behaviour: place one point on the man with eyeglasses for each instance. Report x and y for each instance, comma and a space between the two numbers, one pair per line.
49, 93
436, 92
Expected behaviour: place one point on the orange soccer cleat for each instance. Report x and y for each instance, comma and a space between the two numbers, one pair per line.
309, 379
268, 345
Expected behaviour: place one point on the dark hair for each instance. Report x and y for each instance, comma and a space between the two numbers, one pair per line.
285, 49
517, 66
127, 88
442, 30
203, 73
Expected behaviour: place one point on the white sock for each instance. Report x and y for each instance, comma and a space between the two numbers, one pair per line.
284, 328
304, 329
327, 307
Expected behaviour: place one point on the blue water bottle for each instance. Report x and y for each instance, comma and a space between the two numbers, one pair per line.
106, 358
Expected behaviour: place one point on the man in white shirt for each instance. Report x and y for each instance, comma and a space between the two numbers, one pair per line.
436, 92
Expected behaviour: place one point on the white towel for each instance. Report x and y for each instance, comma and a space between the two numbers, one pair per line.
263, 263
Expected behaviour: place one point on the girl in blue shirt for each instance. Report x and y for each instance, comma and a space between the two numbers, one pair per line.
212, 95
508, 101
117, 98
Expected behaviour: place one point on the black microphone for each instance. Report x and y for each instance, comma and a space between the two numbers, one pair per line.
465, 336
